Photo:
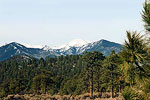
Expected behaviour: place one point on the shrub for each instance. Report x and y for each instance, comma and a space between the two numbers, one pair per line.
129, 94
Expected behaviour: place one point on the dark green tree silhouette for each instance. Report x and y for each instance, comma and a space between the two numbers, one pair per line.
111, 71
91, 62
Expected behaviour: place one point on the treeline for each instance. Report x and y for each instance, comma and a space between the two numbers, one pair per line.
126, 73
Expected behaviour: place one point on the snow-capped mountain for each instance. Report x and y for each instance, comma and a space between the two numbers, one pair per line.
73, 43
47, 48
103, 46
74, 47
44, 47
3, 44
77, 43
33, 46
69, 48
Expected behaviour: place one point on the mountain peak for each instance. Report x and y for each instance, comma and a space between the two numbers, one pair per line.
107, 43
77, 43
14, 44
72, 43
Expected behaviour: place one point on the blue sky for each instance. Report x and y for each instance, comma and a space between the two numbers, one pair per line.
56, 22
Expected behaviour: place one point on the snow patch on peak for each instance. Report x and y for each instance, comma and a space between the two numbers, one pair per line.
19, 45
15, 47
58, 47
33, 46
46, 47
3, 44
73, 43
77, 43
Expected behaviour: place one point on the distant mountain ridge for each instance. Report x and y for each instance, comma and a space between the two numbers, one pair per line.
73, 48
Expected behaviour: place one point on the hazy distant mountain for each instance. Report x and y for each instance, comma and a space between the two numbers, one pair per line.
102, 46
14, 49
74, 47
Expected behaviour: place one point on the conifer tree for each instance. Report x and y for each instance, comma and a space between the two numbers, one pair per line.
111, 71
146, 15
91, 59
135, 57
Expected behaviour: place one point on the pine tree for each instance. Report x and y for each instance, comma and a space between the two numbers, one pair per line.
111, 71
91, 59
146, 15
135, 56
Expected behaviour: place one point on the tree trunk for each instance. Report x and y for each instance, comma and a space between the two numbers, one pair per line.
112, 88
119, 89
98, 86
91, 88
91, 85
112, 92
98, 78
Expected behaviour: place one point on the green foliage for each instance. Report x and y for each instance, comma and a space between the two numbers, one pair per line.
129, 94
146, 16
42, 82
62, 75
134, 55
92, 68
144, 94
16, 85
111, 71
69, 87
3, 93
37, 76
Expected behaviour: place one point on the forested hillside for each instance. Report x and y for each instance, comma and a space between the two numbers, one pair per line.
63, 75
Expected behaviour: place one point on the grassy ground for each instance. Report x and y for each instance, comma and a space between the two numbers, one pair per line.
105, 96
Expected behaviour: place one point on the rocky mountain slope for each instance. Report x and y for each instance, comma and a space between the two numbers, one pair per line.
72, 48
